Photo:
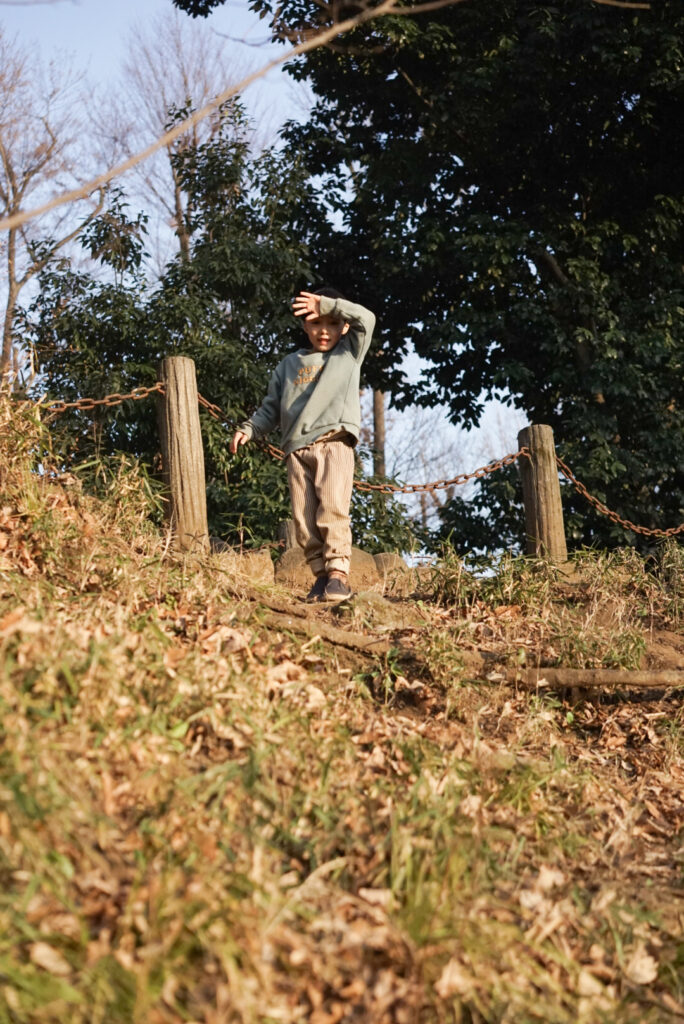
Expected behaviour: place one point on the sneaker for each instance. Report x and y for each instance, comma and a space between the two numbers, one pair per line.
336, 590
317, 591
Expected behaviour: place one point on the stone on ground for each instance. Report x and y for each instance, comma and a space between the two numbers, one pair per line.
257, 566
292, 571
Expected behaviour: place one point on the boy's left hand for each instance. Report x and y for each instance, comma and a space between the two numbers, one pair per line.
307, 305
238, 438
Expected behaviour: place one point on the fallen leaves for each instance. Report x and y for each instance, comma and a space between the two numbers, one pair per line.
351, 959
202, 817
224, 639
17, 621
641, 968
49, 958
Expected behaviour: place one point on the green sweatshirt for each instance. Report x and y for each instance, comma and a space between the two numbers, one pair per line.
312, 393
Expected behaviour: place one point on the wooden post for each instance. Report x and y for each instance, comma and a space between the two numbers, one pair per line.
183, 455
541, 495
286, 534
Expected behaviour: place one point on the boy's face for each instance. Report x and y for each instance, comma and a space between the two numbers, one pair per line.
324, 332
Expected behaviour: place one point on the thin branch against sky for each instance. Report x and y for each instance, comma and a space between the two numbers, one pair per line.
32, 3
624, 3
311, 43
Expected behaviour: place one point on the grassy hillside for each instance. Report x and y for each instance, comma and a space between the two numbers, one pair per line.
215, 809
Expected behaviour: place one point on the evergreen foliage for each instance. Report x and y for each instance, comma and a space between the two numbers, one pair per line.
507, 180
227, 306
197, 8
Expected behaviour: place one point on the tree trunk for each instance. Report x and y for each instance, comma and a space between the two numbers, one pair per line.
12, 295
379, 465
287, 535
181, 223
6, 357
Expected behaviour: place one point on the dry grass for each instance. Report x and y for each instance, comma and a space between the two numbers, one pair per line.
204, 820
600, 610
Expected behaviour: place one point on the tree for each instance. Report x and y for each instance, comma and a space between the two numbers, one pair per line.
379, 435
197, 8
507, 185
39, 128
173, 65
226, 306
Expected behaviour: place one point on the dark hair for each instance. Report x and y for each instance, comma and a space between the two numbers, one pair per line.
329, 293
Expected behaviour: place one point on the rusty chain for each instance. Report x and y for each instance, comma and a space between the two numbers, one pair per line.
84, 404
56, 407
646, 531
364, 485
439, 485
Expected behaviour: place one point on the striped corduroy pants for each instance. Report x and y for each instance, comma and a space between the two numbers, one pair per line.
321, 477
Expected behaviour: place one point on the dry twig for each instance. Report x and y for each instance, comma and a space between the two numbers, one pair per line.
599, 678
320, 39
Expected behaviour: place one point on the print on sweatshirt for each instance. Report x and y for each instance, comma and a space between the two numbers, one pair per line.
306, 375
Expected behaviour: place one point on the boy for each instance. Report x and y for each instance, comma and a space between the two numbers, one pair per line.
313, 396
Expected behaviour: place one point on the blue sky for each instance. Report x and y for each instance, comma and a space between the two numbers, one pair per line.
94, 34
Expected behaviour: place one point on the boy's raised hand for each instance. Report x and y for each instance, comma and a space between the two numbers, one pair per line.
307, 305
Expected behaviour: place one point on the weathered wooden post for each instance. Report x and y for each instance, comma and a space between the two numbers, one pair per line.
182, 454
286, 534
541, 494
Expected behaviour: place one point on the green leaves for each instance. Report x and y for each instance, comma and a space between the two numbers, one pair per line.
516, 216
114, 239
224, 301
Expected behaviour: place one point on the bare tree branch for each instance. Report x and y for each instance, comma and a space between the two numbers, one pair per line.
39, 130
173, 64
623, 3
319, 39
38, 265
30, 3
429, 5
